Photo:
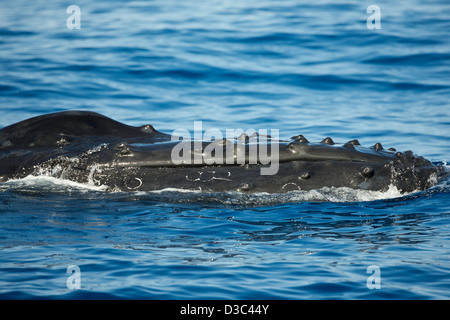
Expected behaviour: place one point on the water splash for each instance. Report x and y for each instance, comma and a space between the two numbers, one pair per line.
325, 194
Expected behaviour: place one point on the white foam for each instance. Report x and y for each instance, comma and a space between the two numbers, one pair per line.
325, 194
333, 194
44, 180
176, 190
446, 165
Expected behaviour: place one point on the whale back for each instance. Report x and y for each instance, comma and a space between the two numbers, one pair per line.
87, 147
54, 129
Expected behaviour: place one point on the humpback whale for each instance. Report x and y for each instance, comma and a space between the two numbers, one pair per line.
87, 147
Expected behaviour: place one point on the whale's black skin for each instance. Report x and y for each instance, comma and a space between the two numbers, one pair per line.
87, 147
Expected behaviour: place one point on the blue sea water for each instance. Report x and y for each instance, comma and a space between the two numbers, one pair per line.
313, 68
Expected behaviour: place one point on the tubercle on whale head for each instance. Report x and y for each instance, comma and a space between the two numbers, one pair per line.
328, 141
147, 128
370, 159
377, 147
300, 148
356, 145
297, 149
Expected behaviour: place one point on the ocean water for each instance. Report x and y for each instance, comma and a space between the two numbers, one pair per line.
311, 68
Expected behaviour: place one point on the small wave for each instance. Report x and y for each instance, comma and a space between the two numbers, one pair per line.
420, 59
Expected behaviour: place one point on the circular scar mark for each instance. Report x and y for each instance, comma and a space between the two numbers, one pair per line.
139, 184
291, 186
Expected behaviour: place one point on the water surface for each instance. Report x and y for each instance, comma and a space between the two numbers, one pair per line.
303, 68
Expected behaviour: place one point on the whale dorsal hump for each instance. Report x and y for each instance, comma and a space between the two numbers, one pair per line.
49, 130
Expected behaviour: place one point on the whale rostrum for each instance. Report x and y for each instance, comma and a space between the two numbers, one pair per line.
87, 147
